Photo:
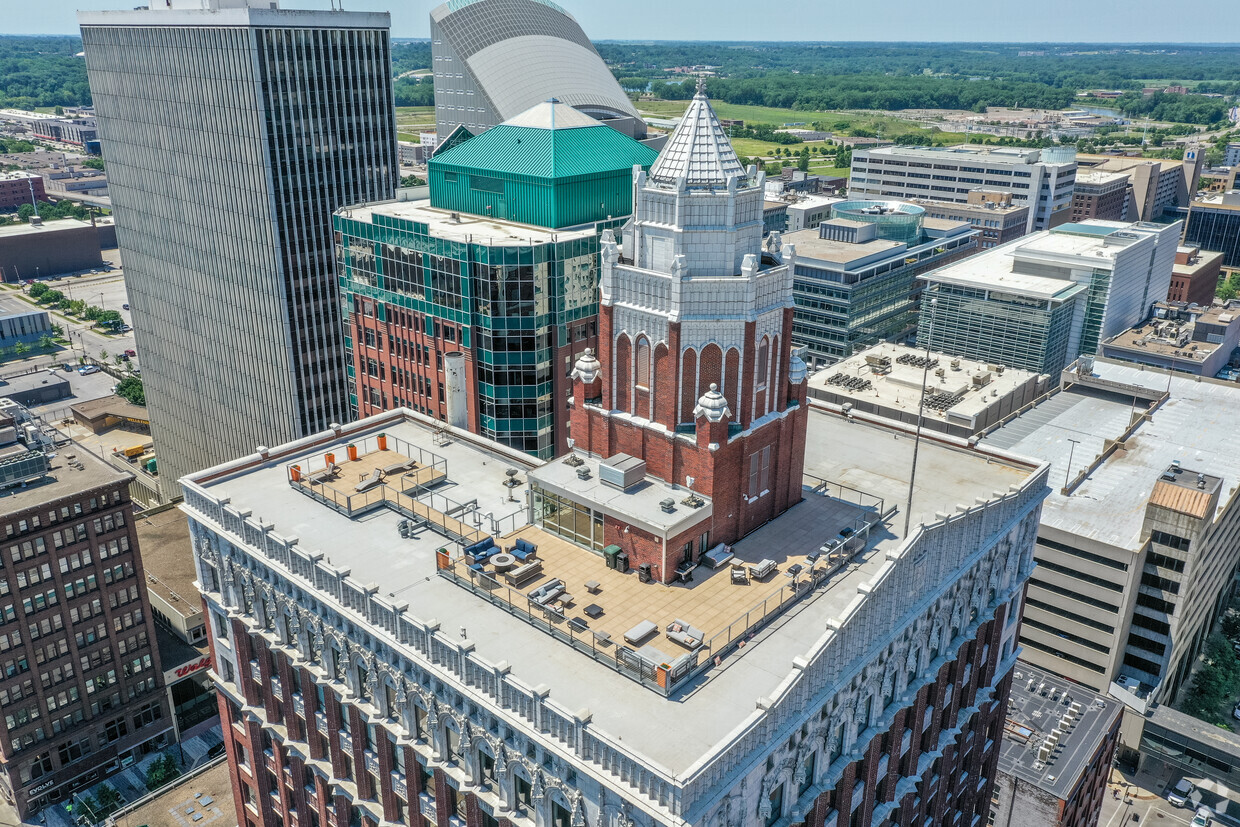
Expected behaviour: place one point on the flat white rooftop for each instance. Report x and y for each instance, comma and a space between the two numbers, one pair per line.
1199, 425
965, 152
1086, 245
865, 457
464, 227
900, 386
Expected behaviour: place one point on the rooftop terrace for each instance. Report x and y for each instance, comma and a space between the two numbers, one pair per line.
373, 547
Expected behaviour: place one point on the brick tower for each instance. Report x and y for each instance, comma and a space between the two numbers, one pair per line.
696, 373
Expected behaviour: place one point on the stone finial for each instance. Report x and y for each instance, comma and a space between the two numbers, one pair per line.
797, 370
712, 405
701, 87
587, 367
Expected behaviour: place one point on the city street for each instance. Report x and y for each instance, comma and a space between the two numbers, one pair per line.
105, 289
1142, 800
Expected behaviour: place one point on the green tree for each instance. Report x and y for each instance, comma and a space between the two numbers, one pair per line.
107, 801
103, 356
38, 289
803, 162
21, 348
1231, 625
93, 163
130, 388
51, 297
163, 769
91, 313
46, 343
110, 318
25, 211
58, 331
58, 111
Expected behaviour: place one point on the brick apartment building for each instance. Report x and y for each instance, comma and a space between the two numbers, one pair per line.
1100, 194
82, 688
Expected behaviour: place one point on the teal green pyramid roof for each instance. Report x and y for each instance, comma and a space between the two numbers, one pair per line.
528, 145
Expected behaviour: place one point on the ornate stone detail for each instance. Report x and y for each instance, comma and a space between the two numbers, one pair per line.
712, 405
588, 367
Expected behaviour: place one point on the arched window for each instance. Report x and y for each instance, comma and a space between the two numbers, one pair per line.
643, 364
764, 361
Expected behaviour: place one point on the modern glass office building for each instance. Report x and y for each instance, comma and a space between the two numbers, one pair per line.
500, 265
1214, 224
1039, 302
855, 278
231, 133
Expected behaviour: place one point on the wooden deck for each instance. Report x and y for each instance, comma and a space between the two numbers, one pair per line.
342, 488
711, 603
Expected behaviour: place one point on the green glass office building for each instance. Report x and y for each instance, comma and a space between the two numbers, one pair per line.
499, 265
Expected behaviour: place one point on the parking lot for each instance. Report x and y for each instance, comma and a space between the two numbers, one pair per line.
1142, 799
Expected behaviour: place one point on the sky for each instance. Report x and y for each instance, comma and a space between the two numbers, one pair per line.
1114, 21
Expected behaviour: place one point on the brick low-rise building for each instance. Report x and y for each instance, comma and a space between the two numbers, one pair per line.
82, 687
19, 187
1195, 276
1058, 743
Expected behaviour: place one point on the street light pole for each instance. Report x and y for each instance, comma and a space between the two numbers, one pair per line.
921, 417
1067, 474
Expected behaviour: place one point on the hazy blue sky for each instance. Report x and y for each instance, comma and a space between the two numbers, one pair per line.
1124, 21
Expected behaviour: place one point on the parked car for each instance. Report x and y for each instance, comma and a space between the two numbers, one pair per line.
131, 352
87, 370
1178, 795
1203, 818
68, 368
125, 328
1235, 712
124, 307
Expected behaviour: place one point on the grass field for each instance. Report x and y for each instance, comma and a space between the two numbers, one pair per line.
410, 120
840, 122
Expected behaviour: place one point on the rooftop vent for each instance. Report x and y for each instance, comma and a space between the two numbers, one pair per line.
583, 473
622, 471
668, 505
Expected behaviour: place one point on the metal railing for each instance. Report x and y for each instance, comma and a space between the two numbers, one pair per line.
835, 555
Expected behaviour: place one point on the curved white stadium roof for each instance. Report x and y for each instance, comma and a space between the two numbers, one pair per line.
522, 52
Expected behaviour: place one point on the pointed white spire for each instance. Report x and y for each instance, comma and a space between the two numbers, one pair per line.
699, 150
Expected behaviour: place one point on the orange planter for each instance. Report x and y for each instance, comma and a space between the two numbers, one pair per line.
352, 449
295, 473
382, 442
329, 458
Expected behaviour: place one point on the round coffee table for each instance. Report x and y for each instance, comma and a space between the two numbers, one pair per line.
503, 562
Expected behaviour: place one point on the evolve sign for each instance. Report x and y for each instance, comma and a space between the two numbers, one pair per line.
187, 669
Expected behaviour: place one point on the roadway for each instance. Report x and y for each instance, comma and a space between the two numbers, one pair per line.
106, 289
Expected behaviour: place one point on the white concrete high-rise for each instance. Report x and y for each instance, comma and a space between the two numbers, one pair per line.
232, 130
1042, 179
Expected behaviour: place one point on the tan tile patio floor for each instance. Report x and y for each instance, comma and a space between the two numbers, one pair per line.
342, 488
711, 602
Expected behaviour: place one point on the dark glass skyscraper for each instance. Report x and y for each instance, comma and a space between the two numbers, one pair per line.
232, 130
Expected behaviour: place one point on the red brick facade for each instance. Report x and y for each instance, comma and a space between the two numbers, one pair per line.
751, 476
275, 786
